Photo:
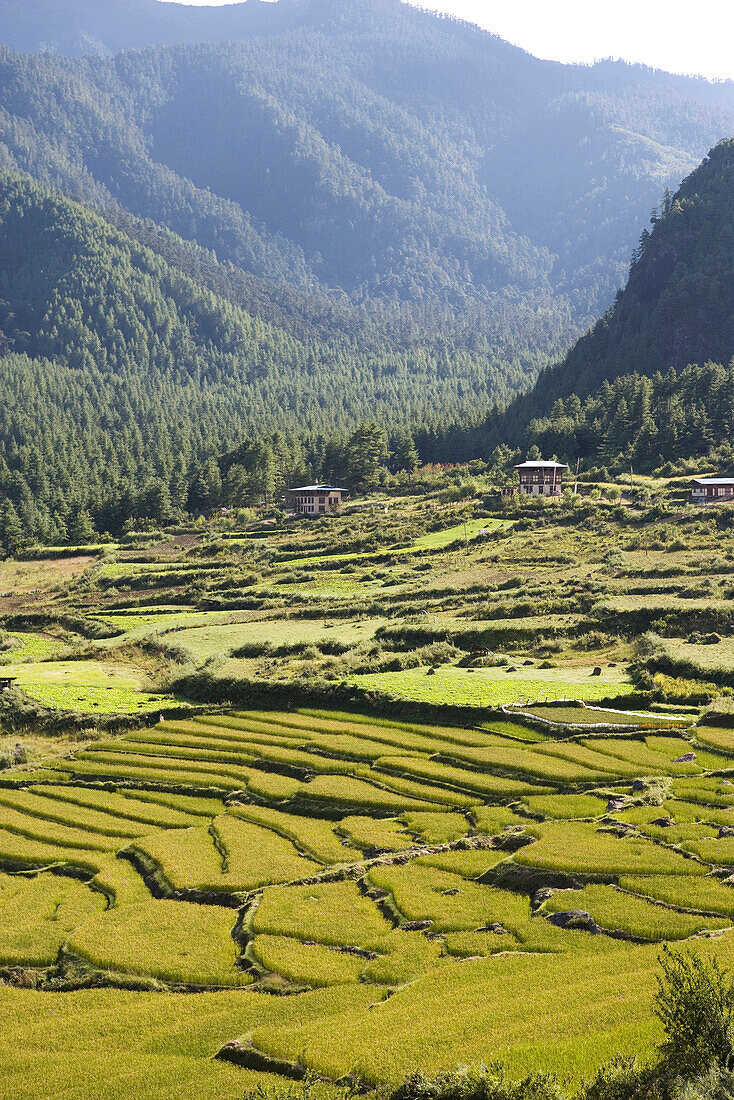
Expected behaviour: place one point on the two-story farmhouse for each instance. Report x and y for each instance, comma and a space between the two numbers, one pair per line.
712, 490
540, 477
314, 500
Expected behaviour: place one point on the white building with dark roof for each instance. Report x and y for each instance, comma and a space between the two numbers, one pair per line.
712, 490
541, 478
315, 500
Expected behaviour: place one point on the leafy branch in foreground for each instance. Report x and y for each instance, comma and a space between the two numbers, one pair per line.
695, 1004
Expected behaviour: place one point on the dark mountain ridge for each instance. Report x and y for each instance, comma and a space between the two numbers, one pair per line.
677, 307
652, 382
83, 27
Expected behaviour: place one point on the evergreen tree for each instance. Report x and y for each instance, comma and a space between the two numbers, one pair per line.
366, 455
80, 528
406, 455
11, 530
206, 492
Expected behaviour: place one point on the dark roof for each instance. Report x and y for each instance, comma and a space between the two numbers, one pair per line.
318, 489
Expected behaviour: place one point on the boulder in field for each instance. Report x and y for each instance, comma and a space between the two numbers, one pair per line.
574, 919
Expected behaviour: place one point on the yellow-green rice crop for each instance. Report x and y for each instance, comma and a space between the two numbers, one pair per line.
717, 852
654, 756
493, 820
559, 764
402, 957
676, 834
437, 828
532, 935
254, 856
37, 915
707, 792
576, 847
616, 911
436, 797
576, 754
716, 737
312, 837
22, 852
144, 773
466, 945
45, 808
489, 785
129, 764
192, 805
120, 883
187, 859
121, 807
149, 1045
569, 1024
332, 913
448, 901
675, 809
344, 793
390, 730
311, 965
707, 895
51, 832
273, 787
469, 864
173, 941
566, 806
389, 835
244, 857
175, 752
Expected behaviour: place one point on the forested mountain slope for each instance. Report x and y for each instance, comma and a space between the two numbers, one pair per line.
417, 165
678, 305
120, 373
653, 380
355, 210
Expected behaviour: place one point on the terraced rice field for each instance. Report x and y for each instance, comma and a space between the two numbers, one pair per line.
372, 869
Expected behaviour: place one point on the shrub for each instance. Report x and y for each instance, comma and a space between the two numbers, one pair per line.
695, 1004
476, 1084
619, 1079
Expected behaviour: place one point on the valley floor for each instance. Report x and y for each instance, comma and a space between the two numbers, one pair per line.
322, 796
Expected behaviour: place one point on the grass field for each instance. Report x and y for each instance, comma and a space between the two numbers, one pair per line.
89, 687
33, 647
218, 638
436, 540
30, 576
491, 687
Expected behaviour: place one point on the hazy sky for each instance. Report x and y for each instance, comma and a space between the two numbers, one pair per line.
695, 38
